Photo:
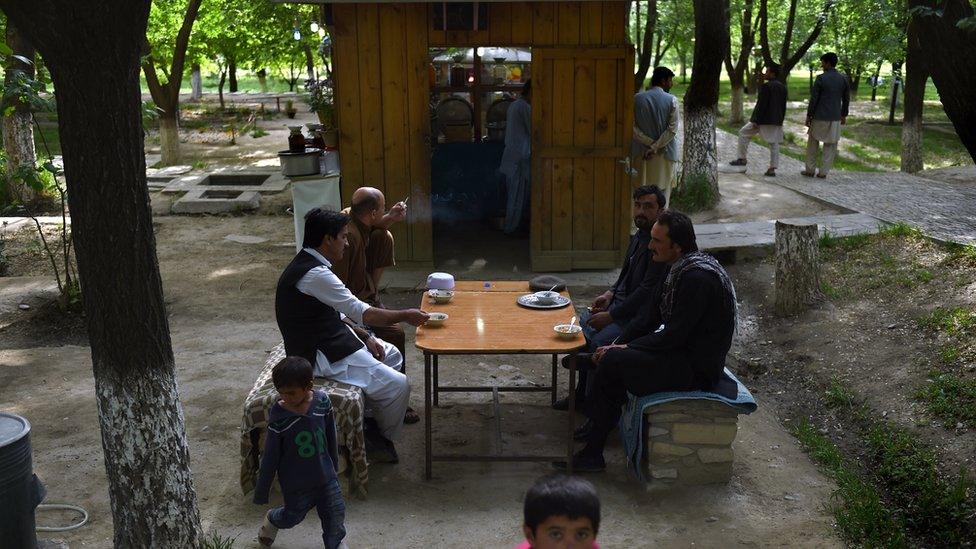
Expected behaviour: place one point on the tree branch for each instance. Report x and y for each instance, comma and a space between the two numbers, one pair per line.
179, 53
764, 32
821, 20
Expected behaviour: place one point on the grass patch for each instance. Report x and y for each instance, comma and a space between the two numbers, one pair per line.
937, 509
829, 291
862, 516
847, 243
951, 399
215, 541
961, 254
900, 230
837, 395
258, 132
694, 194
953, 321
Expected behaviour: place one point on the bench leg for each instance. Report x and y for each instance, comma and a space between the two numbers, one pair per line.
555, 370
427, 418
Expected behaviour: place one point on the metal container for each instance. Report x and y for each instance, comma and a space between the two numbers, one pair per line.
303, 163
20, 489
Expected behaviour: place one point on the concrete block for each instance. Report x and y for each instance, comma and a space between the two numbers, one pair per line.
226, 180
653, 431
665, 449
664, 473
212, 201
717, 434
715, 455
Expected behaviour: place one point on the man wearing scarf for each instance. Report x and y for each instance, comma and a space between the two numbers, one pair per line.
679, 343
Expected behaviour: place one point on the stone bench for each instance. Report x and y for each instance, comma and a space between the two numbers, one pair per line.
689, 442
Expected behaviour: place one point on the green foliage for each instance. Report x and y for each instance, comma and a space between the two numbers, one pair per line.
215, 541
950, 398
694, 194
953, 321
258, 132
862, 516
847, 243
938, 509
901, 230
20, 89
838, 396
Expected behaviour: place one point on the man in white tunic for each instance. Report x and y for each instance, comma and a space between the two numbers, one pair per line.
516, 164
655, 142
766, 120
322, 321
827, 112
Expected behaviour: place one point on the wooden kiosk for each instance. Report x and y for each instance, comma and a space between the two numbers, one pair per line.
582, 73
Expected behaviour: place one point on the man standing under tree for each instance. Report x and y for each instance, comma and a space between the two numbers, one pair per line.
766, 120
655, 140
829, 100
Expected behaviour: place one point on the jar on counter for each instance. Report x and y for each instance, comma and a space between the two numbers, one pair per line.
296, 140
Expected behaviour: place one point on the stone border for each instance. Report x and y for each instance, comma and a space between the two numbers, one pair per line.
275, 182
194, 202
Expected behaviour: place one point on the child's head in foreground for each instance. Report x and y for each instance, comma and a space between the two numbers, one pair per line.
561, 512
292, 378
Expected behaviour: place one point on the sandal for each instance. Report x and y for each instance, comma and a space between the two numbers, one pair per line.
821, 176
805, 173
738, 162
268, 531
770, 173
411, 416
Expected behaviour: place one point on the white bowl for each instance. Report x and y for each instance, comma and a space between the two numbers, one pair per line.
567, 331
440, 296
436, 319
546, 298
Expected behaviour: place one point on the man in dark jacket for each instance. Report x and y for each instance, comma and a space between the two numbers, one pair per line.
613, 310
679, 343
766, 120
827, 112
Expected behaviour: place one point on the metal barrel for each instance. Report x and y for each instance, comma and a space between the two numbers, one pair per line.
20, 489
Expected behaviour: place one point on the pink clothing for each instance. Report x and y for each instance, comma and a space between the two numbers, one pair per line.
525, 545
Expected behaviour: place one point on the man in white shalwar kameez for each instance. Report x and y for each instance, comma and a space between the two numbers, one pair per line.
516, 163
655, 142
766, 120
827, 112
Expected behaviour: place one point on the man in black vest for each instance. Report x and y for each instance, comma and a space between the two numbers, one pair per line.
678, 343
613, 310
322, 321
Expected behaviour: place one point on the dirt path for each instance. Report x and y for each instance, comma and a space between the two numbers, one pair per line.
219, 295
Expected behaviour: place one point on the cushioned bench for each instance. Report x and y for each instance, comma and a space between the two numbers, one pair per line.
685, 438
347, 402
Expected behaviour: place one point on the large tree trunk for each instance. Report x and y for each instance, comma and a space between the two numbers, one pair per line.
700, 162
309, 61
895, 81
647, 45
169, 138
736, 114
911, 127
797, 268
18, 133
951, 55
196, 83
263, 80
220, 88
232, 75
92, 50
874, 82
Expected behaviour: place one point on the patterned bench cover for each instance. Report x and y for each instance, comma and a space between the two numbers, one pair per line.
347, 401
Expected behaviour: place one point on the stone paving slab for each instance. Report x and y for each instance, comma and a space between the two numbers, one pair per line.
762, 234
274, 182
203, 200
12, 224
942, 210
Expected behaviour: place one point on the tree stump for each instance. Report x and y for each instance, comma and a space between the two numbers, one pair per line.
797, 268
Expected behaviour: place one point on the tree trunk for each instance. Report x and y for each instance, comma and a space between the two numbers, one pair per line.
196, 83
787, 60
855, 82
18, 133
232, 75
951, 55
700, 162
644, 61
736, 115
874, 82
93, 53
220, 88
309, 60
683, 65
263, 80
911, 127
895, 80
797, 268
169, 138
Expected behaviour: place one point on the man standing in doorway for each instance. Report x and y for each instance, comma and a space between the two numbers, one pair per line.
766, 120
516, 163
827, 112
655, 140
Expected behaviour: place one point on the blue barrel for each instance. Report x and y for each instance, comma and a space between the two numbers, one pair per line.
20, 489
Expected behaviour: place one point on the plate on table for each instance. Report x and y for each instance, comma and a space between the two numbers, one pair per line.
530, 301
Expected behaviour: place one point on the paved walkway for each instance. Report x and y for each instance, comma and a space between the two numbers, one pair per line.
945, 211
761, 235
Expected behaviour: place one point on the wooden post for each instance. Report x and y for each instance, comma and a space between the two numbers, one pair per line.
797, 268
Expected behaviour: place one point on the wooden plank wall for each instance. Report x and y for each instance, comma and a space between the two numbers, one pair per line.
580, 191
381, 57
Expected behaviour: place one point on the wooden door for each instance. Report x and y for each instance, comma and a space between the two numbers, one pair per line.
582, 104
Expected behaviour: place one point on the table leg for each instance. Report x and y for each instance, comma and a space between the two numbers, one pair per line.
555, 369
572, 413
427, 417
436, 384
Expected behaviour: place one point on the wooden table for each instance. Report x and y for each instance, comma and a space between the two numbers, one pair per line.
485, 319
